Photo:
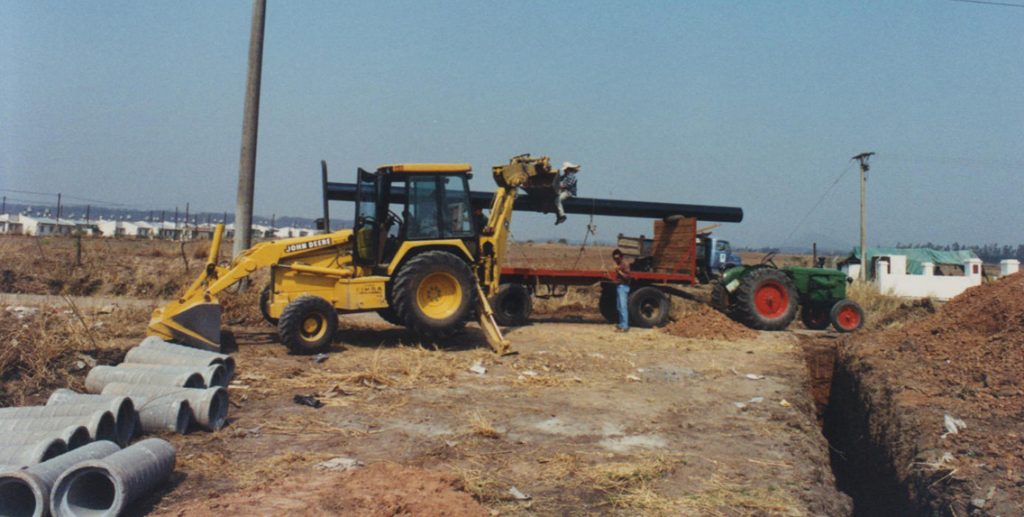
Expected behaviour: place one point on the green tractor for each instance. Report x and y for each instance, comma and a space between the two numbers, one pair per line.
765, 297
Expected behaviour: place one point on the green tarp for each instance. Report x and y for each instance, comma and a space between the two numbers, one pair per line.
915, 257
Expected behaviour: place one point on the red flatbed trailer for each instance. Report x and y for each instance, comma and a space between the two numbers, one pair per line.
669, 264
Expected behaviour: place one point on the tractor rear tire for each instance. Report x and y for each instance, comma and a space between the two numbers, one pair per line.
512, 305
265, 305
815, 316
608, 303
847, 316
648, 307
765, 299
308, 325
434, 294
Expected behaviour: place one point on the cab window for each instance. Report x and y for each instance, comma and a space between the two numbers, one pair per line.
458, 218
422, 218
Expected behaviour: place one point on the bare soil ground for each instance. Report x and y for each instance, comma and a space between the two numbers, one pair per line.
583, 421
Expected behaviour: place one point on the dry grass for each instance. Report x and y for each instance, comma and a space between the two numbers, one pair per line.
55, 347
727, 499
886, 311
482, 426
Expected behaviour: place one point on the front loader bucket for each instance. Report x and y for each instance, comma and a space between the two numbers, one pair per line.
196, 324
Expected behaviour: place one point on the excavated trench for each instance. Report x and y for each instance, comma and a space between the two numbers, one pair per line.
862, 463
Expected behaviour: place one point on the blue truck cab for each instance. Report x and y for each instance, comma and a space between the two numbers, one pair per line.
714, 256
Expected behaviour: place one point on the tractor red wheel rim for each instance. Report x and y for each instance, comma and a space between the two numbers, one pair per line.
771, 299
848, 318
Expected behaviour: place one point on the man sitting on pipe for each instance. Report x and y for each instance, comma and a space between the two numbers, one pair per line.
566, 188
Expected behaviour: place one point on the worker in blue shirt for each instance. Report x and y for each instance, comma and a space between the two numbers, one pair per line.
566, 188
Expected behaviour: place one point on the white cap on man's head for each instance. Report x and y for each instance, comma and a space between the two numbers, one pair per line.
570, 165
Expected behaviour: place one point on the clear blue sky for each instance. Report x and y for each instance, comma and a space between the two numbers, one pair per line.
751, 104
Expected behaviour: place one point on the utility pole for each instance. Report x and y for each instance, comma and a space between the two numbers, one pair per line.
185, 233
250, 128
4, 209
864, 168
58, 207
87, 208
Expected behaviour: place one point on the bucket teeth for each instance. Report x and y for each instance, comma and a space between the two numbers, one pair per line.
196, 325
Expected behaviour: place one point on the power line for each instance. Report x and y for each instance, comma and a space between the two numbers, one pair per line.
985, 2
820, 200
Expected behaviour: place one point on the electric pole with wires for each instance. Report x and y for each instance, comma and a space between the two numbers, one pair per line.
864, 168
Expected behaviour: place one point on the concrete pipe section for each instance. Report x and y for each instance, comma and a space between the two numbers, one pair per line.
101, 425
213, 375
121, 407
165, 414
169, 356
74, 436
156, 343
105, 487
156, 416
100, 376
209, 406
27, 492
24, 455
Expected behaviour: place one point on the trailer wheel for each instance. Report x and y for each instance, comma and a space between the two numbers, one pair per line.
512, 305
648, 307
607, 304
265, 305
765, 299
847, 316
308, 324
434, 294
815, 316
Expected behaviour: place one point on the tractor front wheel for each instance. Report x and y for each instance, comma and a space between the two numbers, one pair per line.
434, 294
648, 307
847, 316
815, 317
512, 305
308, 324
765, 299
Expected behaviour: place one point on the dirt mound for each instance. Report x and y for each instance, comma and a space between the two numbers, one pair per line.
378, 490
972, 348
699, 321
965, 360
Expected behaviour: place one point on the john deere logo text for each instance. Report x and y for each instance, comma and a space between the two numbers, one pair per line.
319, 243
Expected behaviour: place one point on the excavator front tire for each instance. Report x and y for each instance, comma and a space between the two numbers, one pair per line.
308, 325
434, 294
265, 305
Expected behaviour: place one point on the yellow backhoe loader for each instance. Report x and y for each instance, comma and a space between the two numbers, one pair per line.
416, 255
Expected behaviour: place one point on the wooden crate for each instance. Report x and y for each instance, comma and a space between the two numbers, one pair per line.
675, 248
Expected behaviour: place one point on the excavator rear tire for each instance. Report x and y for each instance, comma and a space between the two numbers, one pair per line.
512, 305
388, 315
434, 294
308, 325
265, 305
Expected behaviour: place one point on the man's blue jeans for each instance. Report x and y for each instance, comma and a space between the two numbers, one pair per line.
622, 292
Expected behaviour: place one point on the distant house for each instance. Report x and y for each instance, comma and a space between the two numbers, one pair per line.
118, 229
917, 272
12, 223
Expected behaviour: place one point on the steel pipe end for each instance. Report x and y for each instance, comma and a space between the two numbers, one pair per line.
194, 380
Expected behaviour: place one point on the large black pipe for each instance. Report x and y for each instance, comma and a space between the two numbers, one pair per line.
576, 205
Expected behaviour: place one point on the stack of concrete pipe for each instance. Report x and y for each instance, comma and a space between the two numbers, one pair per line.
66, 456
97, 479
171, 385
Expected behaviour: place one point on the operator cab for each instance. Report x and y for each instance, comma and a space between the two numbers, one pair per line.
411, 202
